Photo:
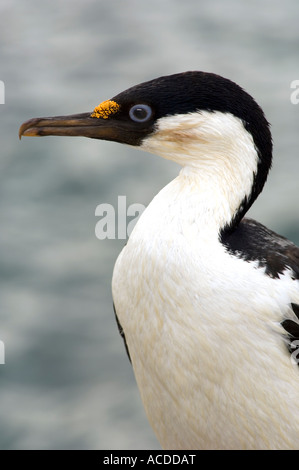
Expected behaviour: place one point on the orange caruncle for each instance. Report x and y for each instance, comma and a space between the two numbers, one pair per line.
104, 109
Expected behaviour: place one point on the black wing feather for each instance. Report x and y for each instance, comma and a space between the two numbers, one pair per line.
253, 241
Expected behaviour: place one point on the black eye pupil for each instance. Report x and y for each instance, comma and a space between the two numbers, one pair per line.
140, 112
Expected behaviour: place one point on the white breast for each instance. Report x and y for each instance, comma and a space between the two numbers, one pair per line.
204, 335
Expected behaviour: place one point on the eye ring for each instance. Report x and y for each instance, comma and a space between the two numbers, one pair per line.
140, 112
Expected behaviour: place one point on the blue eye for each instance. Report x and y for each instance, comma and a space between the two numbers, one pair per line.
140, 112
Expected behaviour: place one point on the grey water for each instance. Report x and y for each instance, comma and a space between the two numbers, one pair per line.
66, 382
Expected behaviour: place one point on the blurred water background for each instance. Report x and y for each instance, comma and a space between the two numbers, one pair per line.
67, 383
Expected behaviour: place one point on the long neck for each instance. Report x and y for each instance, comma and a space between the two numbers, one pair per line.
210, 196
219, 158
193, 207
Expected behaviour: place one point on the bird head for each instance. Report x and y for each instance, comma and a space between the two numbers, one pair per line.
200, 120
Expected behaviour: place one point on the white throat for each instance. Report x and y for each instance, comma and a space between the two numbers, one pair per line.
216, 153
